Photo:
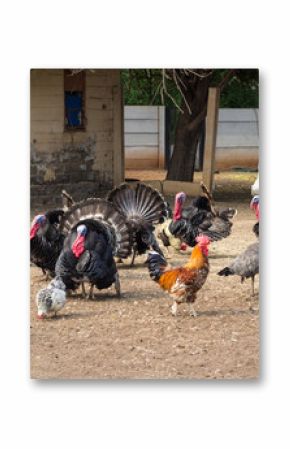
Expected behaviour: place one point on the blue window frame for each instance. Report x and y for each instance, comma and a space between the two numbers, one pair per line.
73, 109
74, 96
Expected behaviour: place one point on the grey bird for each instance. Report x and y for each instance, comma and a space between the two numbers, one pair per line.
51, 299
245, 265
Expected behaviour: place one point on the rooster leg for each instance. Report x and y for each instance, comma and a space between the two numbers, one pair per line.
83, 290
117, 286
192, 312
174, 308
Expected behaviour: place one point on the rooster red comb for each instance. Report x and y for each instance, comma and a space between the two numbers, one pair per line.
203, 240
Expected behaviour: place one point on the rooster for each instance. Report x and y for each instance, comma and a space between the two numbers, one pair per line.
184, 282
255, 205
245, 265
46, 241
143, 207
96, 232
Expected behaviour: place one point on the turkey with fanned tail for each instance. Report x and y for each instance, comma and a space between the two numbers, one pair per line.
143, 207
95, 233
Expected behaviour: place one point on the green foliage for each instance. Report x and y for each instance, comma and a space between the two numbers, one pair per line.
242, 90
141, 87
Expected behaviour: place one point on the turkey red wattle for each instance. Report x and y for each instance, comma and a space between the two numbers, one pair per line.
34, 230
78, 246
38, 221
257, 211
255, 205
179, 200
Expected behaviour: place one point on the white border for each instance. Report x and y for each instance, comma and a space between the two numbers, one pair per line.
144, 414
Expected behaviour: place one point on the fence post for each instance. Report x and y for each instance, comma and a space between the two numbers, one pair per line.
161, 136
118, 136
210, 136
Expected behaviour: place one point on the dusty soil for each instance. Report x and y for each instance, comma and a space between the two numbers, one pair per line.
136, 336
228, 184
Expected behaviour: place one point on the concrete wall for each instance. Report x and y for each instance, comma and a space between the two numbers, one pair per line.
144, 128
83, 161
237, 138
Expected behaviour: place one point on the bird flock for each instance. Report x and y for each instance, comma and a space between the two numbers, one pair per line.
81, 244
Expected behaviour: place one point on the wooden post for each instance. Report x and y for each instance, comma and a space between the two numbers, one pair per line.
118, 136
161, 136
210, 136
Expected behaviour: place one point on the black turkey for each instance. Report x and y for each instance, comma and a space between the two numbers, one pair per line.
96, 232
200, 218
46, 240
143, 207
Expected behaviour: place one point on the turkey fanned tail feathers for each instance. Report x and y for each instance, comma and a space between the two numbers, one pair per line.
103, 216
139, 203
143, 207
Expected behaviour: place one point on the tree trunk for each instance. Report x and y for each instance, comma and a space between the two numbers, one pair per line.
189, 126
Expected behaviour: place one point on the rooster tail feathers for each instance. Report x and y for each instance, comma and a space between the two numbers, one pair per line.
226, 272
139, 202
156, 264
105, 216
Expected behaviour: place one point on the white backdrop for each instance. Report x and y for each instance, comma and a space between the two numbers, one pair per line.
144, 414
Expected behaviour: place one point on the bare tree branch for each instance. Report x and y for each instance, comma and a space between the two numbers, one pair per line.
165, 91
199, 75
226, 79
180, 90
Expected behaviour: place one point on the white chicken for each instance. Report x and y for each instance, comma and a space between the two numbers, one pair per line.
51, 299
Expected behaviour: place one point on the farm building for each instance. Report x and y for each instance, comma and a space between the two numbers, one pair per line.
76, 132
83, 138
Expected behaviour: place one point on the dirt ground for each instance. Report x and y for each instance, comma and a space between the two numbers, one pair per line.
228, 184
136, 337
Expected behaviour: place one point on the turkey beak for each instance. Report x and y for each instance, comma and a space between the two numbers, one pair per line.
40, 316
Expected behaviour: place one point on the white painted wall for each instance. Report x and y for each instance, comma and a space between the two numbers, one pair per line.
144, 136
237, 137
